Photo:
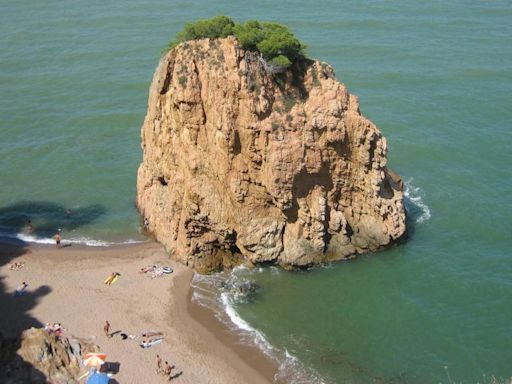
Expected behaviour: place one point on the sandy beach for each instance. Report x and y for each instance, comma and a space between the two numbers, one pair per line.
66, 286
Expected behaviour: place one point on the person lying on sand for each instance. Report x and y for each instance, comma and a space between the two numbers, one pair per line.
148, 268
16, 266
150, 342
58, 329
112, 278
151, 333
21, 289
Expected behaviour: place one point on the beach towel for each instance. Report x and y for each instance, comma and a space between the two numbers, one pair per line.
150, 343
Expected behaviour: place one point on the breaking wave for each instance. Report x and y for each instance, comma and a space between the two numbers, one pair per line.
73, 240
415, 204
221, 293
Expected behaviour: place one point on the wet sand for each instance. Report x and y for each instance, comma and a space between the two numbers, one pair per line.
66, 286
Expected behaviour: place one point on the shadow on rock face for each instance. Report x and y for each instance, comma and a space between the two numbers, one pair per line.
14, 369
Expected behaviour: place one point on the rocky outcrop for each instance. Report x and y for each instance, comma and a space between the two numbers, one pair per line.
239, 164
40, 357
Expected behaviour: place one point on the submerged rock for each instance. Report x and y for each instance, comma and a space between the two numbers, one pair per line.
241, 290
239, 164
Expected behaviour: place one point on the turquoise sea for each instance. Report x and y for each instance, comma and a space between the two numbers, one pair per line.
436, 77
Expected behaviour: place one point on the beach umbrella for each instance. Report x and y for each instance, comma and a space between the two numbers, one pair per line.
98, 378
102, 356
94, 359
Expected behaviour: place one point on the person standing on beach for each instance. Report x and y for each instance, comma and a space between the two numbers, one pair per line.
30, 228
107, 328
158, 364
57, 238
167, 369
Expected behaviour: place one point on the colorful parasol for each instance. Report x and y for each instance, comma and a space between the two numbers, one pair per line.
94, 359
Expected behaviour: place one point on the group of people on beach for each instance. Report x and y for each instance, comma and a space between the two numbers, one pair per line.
147, 336
55, 328
147, 339
58, 235
16, 266
155, 270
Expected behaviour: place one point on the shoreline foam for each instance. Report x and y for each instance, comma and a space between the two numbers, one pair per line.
221, 305
80, 240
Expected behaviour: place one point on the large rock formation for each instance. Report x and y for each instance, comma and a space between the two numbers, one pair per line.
242, 164
39, 357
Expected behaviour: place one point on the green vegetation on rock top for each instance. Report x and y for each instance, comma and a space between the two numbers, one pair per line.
275, 42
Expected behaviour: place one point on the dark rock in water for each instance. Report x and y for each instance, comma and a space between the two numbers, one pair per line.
241, 290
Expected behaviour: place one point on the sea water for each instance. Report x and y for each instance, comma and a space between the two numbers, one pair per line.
434, 76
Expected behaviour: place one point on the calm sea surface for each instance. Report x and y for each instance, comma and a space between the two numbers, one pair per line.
435, 76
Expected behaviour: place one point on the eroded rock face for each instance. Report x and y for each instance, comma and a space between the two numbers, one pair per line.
240, 164
39, 357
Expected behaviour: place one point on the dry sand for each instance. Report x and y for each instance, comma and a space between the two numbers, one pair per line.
66, 286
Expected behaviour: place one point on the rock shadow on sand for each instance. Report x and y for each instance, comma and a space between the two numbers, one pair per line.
41, 220
15, 318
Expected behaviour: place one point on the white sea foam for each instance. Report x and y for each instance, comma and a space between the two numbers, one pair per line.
294, 372
74, 240
251, 334
33, 239
210, 291
414, 202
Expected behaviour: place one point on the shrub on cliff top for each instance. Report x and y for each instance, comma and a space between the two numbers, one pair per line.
219, 26
274, 41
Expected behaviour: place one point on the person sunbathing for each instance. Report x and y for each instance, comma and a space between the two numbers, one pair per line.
151, 334
21, 289
151, 341
16, 266
112, 278
58, 329
147, 269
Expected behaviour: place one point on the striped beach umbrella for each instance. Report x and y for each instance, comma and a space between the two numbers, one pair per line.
94, 359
